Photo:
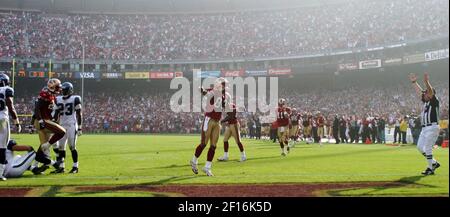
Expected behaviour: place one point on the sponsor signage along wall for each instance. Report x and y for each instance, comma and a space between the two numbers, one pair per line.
391, 62
137, 75
161, 75
36, 74
436, 55
416, 58
256, 72
370, 64
280, 71
112, 75
61, 74
347, 66
233, 73
87, 75
208, 74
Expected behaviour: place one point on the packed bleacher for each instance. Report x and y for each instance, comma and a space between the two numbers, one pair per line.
149, 112
354, 24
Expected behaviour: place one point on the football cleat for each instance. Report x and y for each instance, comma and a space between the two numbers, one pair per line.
283, 154
39, 170
74, 170
428, 171
56, 165
194, 167
223, 158
436, 165
243, 158
59, 170
2, 178
207, 171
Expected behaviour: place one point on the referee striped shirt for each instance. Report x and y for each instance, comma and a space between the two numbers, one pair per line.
430, 112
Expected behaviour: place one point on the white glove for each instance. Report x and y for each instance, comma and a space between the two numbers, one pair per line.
79, 132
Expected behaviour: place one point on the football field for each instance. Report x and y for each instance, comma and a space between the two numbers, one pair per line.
158, 165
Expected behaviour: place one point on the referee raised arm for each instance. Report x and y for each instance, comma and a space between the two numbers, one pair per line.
429, 121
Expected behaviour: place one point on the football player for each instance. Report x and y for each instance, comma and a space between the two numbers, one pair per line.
307, 127
321, 124
49, 131
17, 165
232, 130
283, 122
293, 130
211, 124
6, 109
70, 118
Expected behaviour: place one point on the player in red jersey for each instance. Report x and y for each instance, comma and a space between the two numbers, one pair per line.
49, 131
307, 127
211, 124
283, 121
293, 129
321, 126
232, 130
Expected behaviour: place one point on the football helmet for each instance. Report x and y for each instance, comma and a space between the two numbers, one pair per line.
220, 84
4, 80
54, 85
67, 89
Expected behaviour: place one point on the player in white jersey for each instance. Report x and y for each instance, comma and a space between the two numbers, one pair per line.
18, 164
70, 118
6, 109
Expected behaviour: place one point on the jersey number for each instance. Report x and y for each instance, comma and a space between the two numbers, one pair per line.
281, 115
66, 109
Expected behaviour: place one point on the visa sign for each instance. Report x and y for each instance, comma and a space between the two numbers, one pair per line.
87, 75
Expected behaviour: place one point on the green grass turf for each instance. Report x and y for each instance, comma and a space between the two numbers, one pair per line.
163, 159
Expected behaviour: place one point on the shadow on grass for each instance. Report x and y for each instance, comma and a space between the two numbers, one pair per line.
121, 189
410, 181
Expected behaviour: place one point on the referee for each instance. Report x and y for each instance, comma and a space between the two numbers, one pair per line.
429, 120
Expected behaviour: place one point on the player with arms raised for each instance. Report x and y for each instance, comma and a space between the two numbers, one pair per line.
283, 122
210, 130
70, 118
6, 109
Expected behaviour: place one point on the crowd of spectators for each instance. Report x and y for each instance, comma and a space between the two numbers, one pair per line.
150, 112
353, 24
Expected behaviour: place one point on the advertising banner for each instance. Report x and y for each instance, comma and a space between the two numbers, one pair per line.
208, 74
370, 64
416, 58
233, 73
61, 74
161, 75
436, 55
256, 72
280, 71
36, 74
87, 75
347, 66
137, 75
392, 62
112, 75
